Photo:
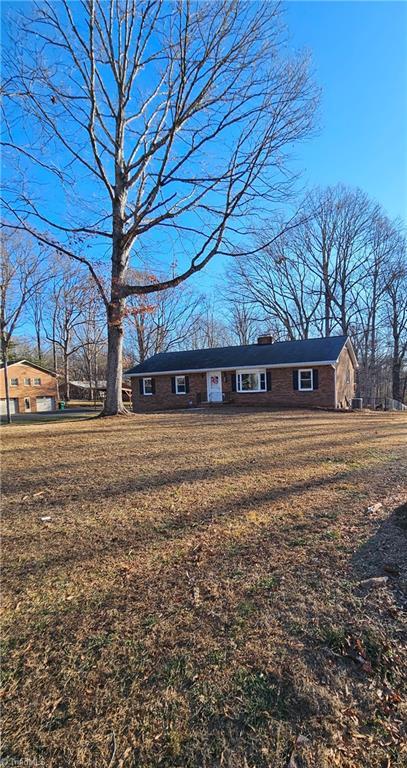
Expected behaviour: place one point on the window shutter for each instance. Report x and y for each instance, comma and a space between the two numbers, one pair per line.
315, 378
233, 382
153, 386
186, 383
140, 384
268, 381
173, 384
295, 379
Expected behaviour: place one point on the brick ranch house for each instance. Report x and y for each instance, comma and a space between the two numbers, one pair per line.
31, 388
310, 373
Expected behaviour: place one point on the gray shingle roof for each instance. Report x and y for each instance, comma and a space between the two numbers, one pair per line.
324, 350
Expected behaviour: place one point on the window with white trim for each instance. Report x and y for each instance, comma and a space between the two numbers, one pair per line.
37, 382
27, 382
148, 386
251, 381
14, 382
305, 379
180, 385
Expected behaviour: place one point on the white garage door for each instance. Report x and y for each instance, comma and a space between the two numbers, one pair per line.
13, 406
45, 404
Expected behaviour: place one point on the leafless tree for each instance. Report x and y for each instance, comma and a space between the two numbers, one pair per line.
157, 126
369, 328
20, 278
89, 337
209, 328
326, 273
165, 321
66, 304
243, 323
35, 308
396, 315
276, 285
335, 235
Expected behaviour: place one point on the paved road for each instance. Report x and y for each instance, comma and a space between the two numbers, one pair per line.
48, 416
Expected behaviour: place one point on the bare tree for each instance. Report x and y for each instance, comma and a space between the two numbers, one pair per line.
66, 304
89, 333
209, 328
277, 285
335, 235
36, 306
166, 321
328, 272
20, 278
396, 315
163, 125
369, 326
243, 323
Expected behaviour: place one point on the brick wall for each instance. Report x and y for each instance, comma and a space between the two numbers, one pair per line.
21, 371
164, 398
282, 393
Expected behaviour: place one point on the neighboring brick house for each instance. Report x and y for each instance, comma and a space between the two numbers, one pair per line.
31, 388
310, 373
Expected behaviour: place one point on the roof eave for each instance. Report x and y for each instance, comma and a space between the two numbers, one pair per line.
33, 365
350, 348
253, 366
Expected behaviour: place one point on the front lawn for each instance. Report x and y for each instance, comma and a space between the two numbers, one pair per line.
186, 590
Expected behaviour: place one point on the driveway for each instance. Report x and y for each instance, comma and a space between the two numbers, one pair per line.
47, 416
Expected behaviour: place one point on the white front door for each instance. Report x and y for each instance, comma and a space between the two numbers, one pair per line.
214, 386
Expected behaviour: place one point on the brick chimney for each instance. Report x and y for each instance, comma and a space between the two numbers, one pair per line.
265, 339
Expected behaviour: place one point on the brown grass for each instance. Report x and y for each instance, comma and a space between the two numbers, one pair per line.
195, 599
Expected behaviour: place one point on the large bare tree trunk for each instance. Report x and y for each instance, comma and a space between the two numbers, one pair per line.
397, 315
114, 377
4, 351
327, 297
396, 367
396, 388
39, 347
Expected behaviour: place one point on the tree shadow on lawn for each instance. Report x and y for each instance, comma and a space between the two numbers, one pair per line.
173, 422
385, 554
34, 479
140, 431
118, 537
221, 676
208, 677
238, 694
61, 450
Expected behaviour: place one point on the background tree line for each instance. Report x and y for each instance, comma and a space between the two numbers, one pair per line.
339, 268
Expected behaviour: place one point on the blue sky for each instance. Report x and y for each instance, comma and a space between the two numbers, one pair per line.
359, 55
359, 60
359, 52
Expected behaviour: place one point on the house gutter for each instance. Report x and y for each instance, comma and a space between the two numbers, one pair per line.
231, 368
